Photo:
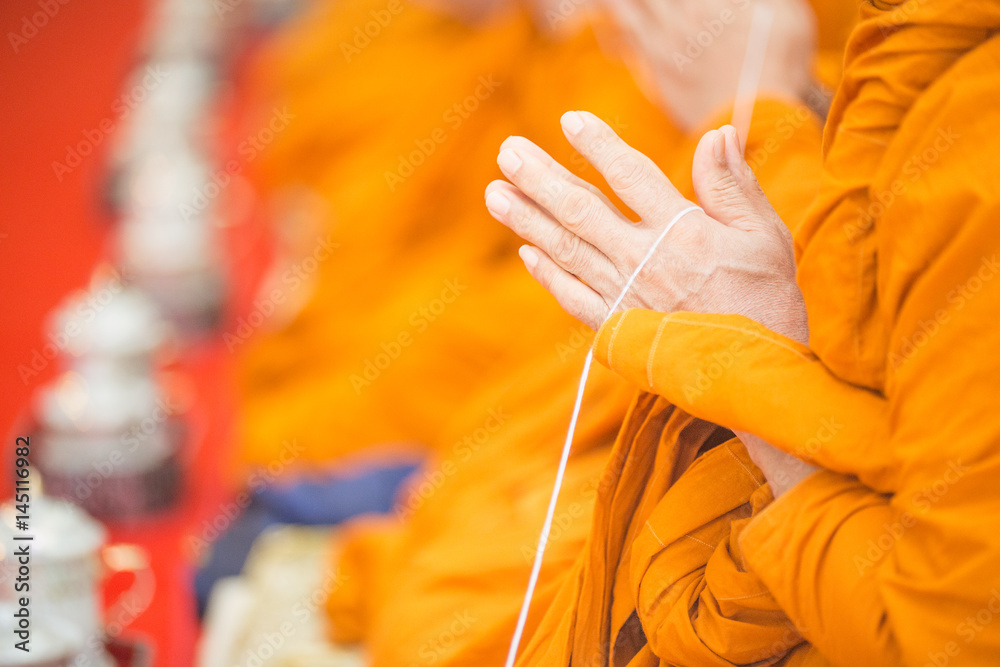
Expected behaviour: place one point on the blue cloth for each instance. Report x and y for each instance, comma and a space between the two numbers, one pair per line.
313, 500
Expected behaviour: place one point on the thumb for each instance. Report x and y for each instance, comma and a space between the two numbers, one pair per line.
725, 185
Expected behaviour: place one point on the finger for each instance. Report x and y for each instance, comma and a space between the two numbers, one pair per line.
725, 186
740, 169
576, 208
519, 144
632, 175
719, 192
570, 252
573, 296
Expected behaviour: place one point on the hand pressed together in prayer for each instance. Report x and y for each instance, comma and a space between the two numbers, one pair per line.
734, 257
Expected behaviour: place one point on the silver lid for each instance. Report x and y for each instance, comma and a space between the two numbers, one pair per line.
160, 247
108, 320
165, 181
104, 399
60, 530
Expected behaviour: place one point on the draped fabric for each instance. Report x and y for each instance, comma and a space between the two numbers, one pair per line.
394, 329
882, 558
466, 546
489, 383
423, 302
450, 588
384, 164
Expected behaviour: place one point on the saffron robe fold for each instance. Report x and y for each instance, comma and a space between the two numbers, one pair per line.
460, 553
883, 558
466, 546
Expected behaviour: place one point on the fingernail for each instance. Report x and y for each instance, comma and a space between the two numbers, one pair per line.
509, 161
719, 147
528, 256
572, 122
734, 137
498, 203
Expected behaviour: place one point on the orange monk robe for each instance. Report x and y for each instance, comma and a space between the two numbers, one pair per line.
404, 249
408, 255
884, 558
834, 23
414, 587
422, 301
442, 578
661, 575
908, 577
465, 549
651, 138
465, 546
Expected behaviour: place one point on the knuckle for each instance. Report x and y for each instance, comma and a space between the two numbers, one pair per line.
543, 276
692, 236
525, 217
633, 255
566, 251
552, 191
577, 306
576, 207
596, 146
652, 271
625, 171
725, 192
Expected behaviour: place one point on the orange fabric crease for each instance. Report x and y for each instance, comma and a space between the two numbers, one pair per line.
883, 558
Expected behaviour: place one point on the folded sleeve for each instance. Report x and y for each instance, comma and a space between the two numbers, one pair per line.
911, 578
888, 555
732, 371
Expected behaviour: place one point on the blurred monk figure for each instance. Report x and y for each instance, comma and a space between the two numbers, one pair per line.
853, 357
375, 226
418, 304
487, 372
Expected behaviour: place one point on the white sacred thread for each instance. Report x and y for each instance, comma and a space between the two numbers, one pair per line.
568, 444
746, 97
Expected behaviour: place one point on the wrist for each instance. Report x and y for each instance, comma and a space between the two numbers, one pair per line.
782, 471
790, 319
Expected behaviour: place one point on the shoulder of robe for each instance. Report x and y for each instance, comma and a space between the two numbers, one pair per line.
937, 179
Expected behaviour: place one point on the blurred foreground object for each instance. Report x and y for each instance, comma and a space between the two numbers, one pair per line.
272, 615
162, 182
68, 559
177, 263
162, 187
108, 434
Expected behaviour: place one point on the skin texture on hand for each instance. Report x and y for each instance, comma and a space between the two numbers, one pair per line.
735, 257
691, 51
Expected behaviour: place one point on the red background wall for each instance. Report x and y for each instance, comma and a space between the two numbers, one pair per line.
60, 83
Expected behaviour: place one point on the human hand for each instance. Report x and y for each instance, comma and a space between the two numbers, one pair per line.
692, 51
735, 257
